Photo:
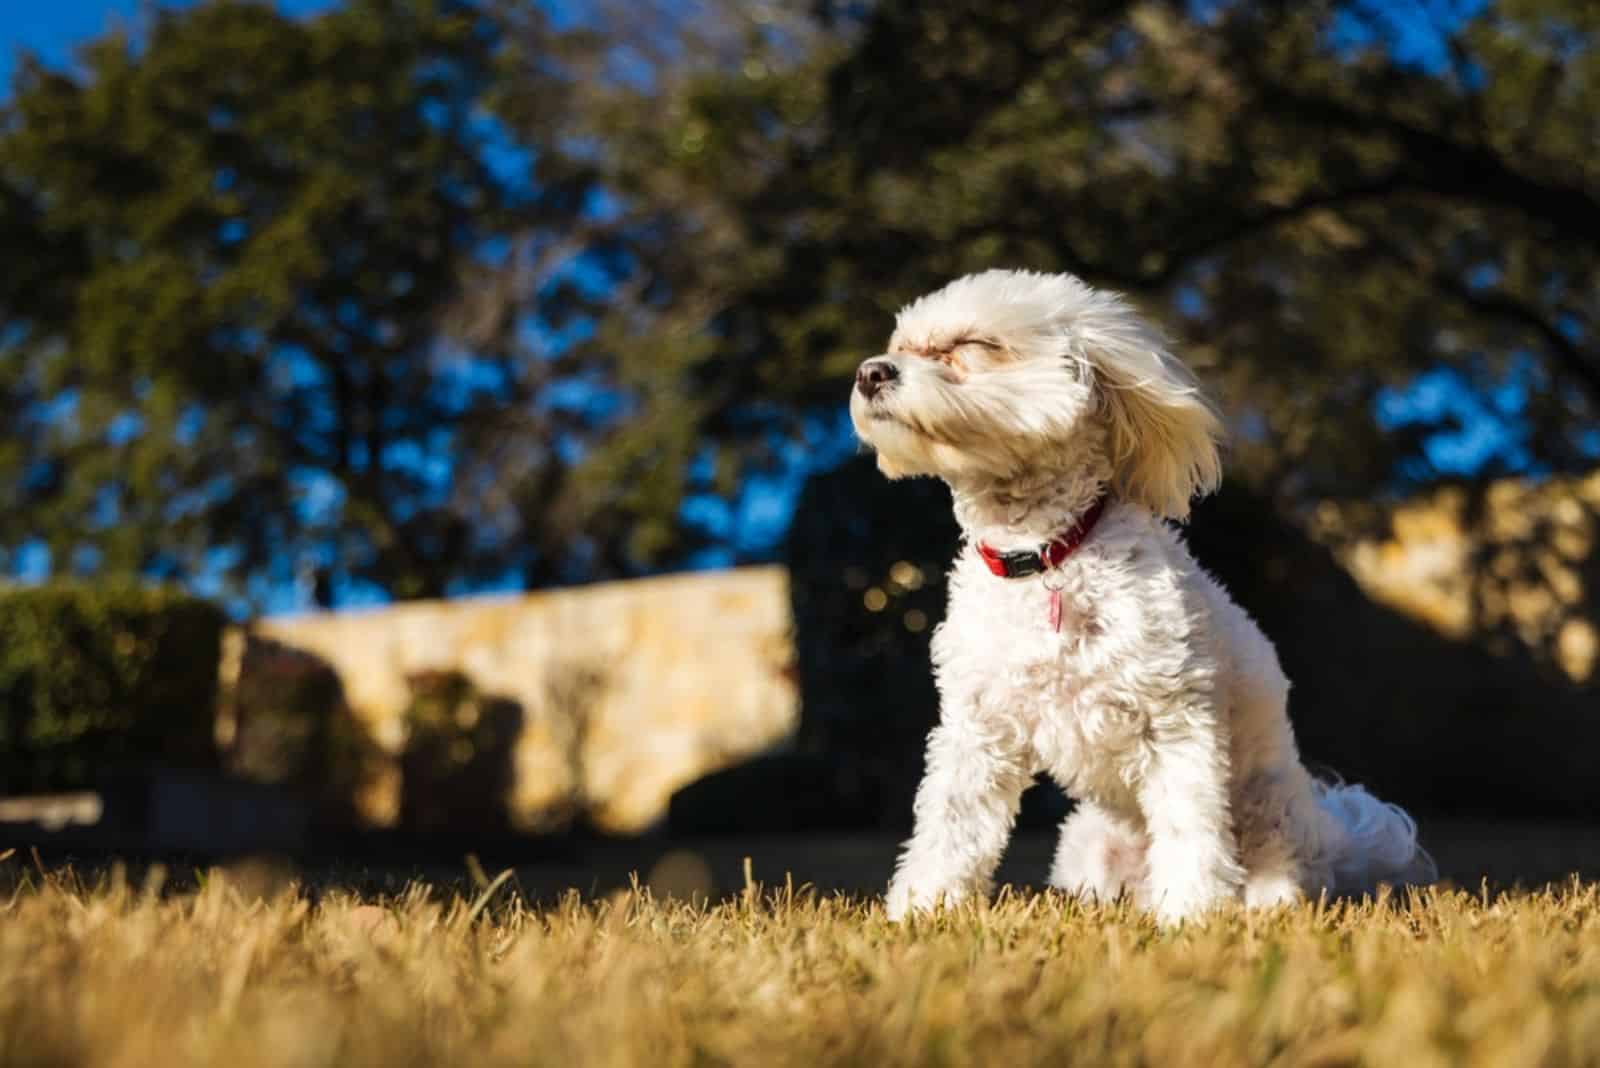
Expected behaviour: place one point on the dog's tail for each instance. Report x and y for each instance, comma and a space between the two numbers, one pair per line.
1371, 841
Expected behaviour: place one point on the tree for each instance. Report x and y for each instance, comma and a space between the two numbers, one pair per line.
1322, 200
288, 291
234, 329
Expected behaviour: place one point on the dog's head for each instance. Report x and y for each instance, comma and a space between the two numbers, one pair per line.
1006, 371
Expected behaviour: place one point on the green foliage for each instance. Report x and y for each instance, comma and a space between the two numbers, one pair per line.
265, 293
226, 317
1313, 217
94, 680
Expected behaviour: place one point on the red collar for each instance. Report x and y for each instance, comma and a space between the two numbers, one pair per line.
1024, 562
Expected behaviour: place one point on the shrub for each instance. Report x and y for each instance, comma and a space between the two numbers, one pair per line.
291, 726
457, 764
96, 680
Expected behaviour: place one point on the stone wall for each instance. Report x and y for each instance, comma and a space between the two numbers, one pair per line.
626, 690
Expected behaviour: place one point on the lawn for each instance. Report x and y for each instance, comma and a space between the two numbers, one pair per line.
238, 971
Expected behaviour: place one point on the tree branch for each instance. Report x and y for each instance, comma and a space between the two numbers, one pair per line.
1506, 307
1436, 163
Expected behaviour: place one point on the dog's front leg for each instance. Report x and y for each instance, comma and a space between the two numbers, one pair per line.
964, 811
1193, 856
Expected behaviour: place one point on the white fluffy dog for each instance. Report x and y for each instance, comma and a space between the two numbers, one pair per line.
1082, 640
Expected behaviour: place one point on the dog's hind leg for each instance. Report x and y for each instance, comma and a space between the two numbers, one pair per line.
1282, 837
1100, 855
1272, 870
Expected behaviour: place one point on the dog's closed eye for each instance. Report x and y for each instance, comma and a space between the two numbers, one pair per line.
963, 352
976, 346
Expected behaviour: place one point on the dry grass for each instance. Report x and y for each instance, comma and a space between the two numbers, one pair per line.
120, 974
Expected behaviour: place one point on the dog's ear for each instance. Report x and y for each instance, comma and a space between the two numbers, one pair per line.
1163, 433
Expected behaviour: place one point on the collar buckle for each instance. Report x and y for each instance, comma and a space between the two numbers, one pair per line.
1019, 563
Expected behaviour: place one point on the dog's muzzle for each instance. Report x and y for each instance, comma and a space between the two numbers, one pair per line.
874, 375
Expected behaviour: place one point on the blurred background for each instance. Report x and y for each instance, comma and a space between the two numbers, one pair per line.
425, 419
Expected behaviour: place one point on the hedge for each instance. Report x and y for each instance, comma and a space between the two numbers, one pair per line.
100, 680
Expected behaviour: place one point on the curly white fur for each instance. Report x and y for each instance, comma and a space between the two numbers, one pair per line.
1158, 703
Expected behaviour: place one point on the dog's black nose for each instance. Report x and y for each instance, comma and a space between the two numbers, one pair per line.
874, 375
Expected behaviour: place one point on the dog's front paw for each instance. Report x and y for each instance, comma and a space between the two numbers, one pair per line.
1183, 903
1185, 883
906, 897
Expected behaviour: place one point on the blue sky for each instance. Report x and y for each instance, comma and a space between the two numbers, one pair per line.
53, 28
